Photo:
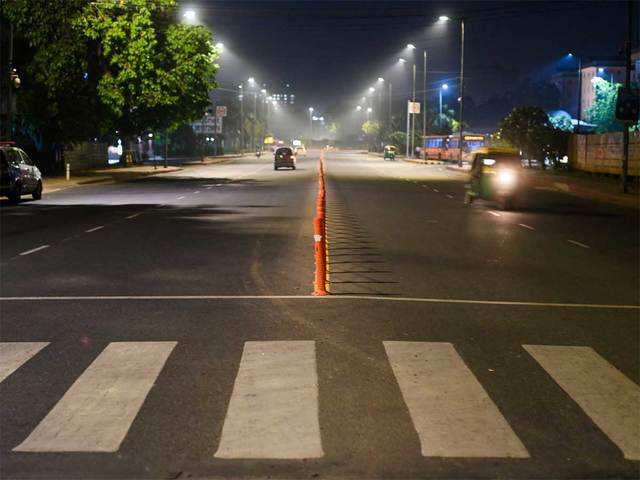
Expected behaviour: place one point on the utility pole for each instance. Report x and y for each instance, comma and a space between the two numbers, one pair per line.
390, 106
413, 117
461, 90
424, 102
579, 94
241, 120
627, 86
255, 120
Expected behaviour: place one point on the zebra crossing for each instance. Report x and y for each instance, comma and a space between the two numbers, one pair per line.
273, 409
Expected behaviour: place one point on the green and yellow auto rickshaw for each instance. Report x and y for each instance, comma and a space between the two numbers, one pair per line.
390, 152
496, 175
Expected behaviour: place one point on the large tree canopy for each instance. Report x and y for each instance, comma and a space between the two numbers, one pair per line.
93, 67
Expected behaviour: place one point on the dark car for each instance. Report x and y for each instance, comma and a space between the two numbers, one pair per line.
18, 174
284, 157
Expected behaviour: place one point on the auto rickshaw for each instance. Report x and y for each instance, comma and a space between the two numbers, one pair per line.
496, 175
390, 152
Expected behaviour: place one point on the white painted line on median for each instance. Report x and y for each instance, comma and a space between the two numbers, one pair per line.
96, 412
273, 412
180, 198
451, 412
133, 216
449, 195
579, 244
604, 393
94, 229
37, 249
436, 190
507, 303
196, 192
495, 214
14, 354
209, 188
528, 227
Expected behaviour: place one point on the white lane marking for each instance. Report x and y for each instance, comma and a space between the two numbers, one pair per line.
507, 303
96, 412
495, 214
180, 198
451, 412
134, 215
37, 249
209, 188
14, 354
578, 244
449, 196
436, 190
273, 412
94, 229
608, 397
196, 192
529, 227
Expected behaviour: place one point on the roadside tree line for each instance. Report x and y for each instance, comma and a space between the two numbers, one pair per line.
93, 68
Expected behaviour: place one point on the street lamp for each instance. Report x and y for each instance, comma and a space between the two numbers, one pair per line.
369, 110
411, 46
402, 60
443, 18
310, 123
380, 79
190, 15
371, 89
359, 107
579, 113
220, 46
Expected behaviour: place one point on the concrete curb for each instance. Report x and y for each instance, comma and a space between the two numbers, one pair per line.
424, 162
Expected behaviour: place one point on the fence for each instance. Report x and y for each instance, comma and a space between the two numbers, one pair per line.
603, 153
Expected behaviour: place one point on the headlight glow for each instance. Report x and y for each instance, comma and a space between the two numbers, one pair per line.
506, 178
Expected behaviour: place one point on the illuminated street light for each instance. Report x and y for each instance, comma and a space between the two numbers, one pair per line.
369, 110
443, 18
380, 79
371, 89
190, 16
251, 80
263, 91
359, 107
411, 46
402, 60
311, 109
220, 46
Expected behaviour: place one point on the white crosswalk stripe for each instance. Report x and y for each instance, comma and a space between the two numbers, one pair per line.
602, 391
451, 412
273, 412
14, 354
96, 412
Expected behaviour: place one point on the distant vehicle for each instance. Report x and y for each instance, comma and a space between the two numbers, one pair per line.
284, 157
18, 174
329, 147
446, 147
495, 175
390, 152
300, 150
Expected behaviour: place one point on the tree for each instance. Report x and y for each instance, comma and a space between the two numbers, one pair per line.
399, 139
529, 129
152, 72
561, 121
371, 131
603, 111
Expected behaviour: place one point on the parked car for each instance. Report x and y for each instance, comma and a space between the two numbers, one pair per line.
284, 157
18, 174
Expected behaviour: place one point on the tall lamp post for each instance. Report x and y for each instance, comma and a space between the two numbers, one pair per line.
460, 127
579, 112
310, 124
424, 99
241, 98
444, 86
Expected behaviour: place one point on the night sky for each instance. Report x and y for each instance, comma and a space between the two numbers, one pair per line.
331, 51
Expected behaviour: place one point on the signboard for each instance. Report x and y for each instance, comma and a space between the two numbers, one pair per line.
221, 111
269, 140
414, 107
297, 143
206, 125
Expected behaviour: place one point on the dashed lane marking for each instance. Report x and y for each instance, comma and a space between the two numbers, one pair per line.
528, 227
495, 214
196, 192
134, 215
449, 195
34, 250
181, 197
94, 229
580, 244
436, 190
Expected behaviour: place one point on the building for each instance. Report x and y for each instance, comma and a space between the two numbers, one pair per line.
567, 81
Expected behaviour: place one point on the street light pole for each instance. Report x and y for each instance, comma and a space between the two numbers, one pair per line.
413, 117
241, 120
390, 106
579, 94
424, 99
461, 90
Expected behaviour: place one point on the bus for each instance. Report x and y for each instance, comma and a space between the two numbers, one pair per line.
446, 147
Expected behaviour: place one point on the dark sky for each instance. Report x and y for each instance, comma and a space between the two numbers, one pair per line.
331, 50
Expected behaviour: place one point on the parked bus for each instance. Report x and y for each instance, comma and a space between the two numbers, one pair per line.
446, 147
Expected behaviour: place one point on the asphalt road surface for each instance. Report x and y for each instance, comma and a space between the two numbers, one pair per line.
164, 328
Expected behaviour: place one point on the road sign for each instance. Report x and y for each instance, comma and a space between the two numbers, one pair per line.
221, 111
414, 107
